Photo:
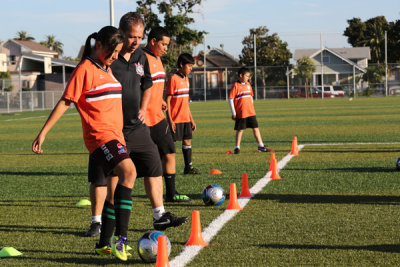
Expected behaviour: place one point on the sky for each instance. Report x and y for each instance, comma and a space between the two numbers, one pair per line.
302, 24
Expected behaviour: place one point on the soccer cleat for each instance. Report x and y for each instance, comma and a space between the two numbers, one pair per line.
236, 151
178, 198
191, 170
118, 247
94, 229
264, 149
106, 250
168, 220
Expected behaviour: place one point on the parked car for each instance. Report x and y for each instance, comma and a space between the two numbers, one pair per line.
331, 91
305, 92
394, 90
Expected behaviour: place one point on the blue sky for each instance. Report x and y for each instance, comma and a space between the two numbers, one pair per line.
299, 23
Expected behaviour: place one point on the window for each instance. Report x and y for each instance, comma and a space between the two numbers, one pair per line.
326, 59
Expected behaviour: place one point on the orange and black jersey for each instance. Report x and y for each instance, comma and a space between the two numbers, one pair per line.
154, 113
242, 95
178, 89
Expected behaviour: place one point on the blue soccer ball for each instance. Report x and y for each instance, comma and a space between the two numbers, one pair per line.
213, 195
398, 164
148, 244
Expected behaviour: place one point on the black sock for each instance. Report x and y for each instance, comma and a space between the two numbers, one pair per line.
170, 189
123, 207
108, 224
187, 156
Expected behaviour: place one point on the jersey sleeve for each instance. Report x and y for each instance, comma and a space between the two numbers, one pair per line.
232, 92
75, 85
146, 80
170, 86
251, 90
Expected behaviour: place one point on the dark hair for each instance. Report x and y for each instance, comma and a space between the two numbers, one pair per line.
130, 18
184, 59
243, 71
108, 36
158, 33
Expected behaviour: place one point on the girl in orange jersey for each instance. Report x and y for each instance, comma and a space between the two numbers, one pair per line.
97, 96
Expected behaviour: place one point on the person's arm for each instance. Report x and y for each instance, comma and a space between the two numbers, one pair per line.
232, 106
146, 82
143, 105
194, 127
171, 122
55, 115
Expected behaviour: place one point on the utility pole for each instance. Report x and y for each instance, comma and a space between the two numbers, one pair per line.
205, 72
322, 65
112, 12
386, 66
255, 64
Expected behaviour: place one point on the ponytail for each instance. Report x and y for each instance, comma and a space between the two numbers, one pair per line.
88, 47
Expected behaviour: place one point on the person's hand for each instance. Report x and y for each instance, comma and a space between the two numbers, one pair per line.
142, 115
194, 127
173, 127
164, 106
233, 117
37, 145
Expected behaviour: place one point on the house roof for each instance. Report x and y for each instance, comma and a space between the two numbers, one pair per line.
54, 61
348, 53
219, 58
34, 46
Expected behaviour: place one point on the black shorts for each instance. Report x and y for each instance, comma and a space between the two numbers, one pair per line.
106, 158
161, 135
183, 131
143, 153
249, 122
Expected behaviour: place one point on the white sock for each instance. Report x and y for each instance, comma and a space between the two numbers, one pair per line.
238, 147
96, 218
158, 212
261, 144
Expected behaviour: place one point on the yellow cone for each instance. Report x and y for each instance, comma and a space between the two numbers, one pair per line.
9, 252
83, 202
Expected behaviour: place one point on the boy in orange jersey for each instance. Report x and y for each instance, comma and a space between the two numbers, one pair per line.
179, 115
157, 45
243, 112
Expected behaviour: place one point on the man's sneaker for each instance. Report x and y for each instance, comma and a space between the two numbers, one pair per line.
191, 171
168, 220
106, 250
118, 247
94, 229
236, 151
264, 149
178, 198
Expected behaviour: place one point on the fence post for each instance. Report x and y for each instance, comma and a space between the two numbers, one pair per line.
8, 102
226, 84
32, 103
20, 100
42, 100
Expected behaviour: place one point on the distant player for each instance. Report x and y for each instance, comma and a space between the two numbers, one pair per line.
243, 112
160, 132
179, 115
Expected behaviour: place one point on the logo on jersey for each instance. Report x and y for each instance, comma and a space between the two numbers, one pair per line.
121, 149
139, 69
248, 87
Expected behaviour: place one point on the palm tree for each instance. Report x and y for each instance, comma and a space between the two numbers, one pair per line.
23, 36
53, 44
304, 71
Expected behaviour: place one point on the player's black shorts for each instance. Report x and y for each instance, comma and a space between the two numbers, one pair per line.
249, 122
143, 153
183, 131
107, 156
161, 135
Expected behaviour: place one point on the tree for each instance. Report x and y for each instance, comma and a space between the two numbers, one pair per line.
304, 71
369, 33
53, 44
394, 42
271, 52
23, 36
176, 19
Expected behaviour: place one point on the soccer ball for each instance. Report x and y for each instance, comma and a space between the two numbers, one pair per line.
398, 164
147, 246
213, 194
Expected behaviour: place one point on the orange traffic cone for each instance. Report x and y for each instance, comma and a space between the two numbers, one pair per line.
233, 202
162, 252
196, 238
275, 171
228, 152
215, 171
272, 161
295, 148
245, 187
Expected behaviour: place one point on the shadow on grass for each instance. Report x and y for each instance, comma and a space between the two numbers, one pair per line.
380, 248
43, 173
355, 169
331, 199
40, 229
84, 260
353, 151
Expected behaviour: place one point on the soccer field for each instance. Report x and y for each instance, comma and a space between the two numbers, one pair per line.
336, 204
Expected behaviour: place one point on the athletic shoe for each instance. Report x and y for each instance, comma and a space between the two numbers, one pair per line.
168, 220
264, 149
178, 198
118, 247
106, 250
94, 229
191, 171
236, 151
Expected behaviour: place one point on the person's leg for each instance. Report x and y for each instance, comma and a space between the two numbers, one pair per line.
257, 136
238, 139
108, 213
169, 170
97, 197
154, 190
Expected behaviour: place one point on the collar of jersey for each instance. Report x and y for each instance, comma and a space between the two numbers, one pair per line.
180, 74
97, 65
148, 51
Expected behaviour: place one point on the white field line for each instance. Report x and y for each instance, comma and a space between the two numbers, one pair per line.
38, 117
352, 144
189, 252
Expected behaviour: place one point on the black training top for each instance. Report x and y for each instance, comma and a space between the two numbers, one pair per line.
135, 78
